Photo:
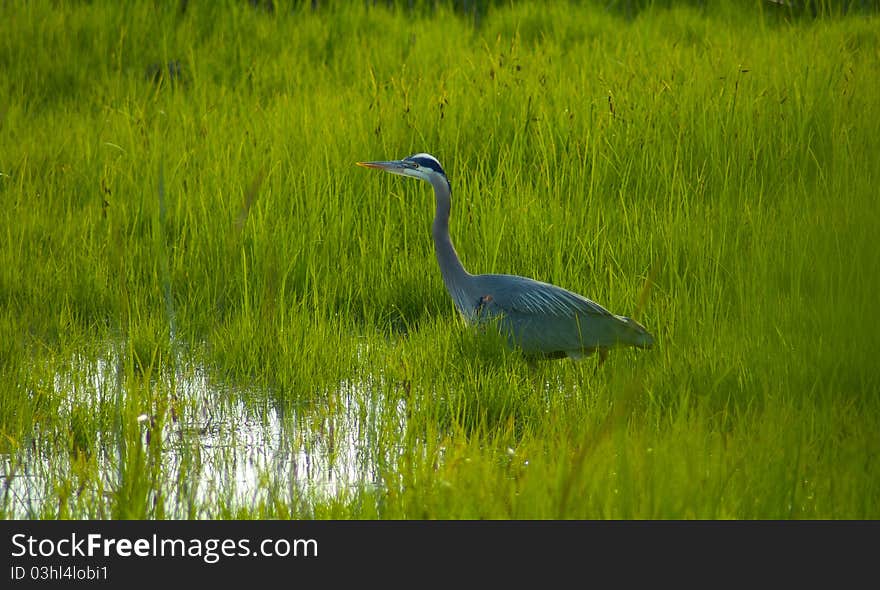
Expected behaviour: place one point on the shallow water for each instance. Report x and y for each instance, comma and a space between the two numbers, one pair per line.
224, 446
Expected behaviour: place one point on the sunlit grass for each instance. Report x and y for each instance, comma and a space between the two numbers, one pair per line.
205, 218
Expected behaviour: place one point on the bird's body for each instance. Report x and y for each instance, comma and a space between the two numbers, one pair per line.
541, 319
546, 320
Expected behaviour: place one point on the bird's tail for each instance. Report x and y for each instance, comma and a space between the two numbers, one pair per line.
635, 334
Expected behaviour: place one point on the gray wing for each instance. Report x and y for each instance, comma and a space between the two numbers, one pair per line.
545, 319
520, 295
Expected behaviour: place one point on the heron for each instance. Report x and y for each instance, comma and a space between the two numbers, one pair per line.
543, 320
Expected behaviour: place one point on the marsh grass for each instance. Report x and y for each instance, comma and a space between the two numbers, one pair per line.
191, 259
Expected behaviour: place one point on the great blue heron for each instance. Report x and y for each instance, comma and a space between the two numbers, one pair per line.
543, 320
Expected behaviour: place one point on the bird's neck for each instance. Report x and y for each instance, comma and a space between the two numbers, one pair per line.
455, 277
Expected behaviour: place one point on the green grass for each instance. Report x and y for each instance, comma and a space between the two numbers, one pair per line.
207, 311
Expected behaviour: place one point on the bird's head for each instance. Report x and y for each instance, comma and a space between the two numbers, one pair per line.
424, 166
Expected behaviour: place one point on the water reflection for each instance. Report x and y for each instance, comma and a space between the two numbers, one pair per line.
219, 447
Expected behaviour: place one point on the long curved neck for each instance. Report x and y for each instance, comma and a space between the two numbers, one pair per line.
455, 277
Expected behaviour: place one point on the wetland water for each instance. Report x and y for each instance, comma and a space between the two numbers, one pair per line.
218, 443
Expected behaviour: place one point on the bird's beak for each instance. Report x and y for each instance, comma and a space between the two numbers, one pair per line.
393, 166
